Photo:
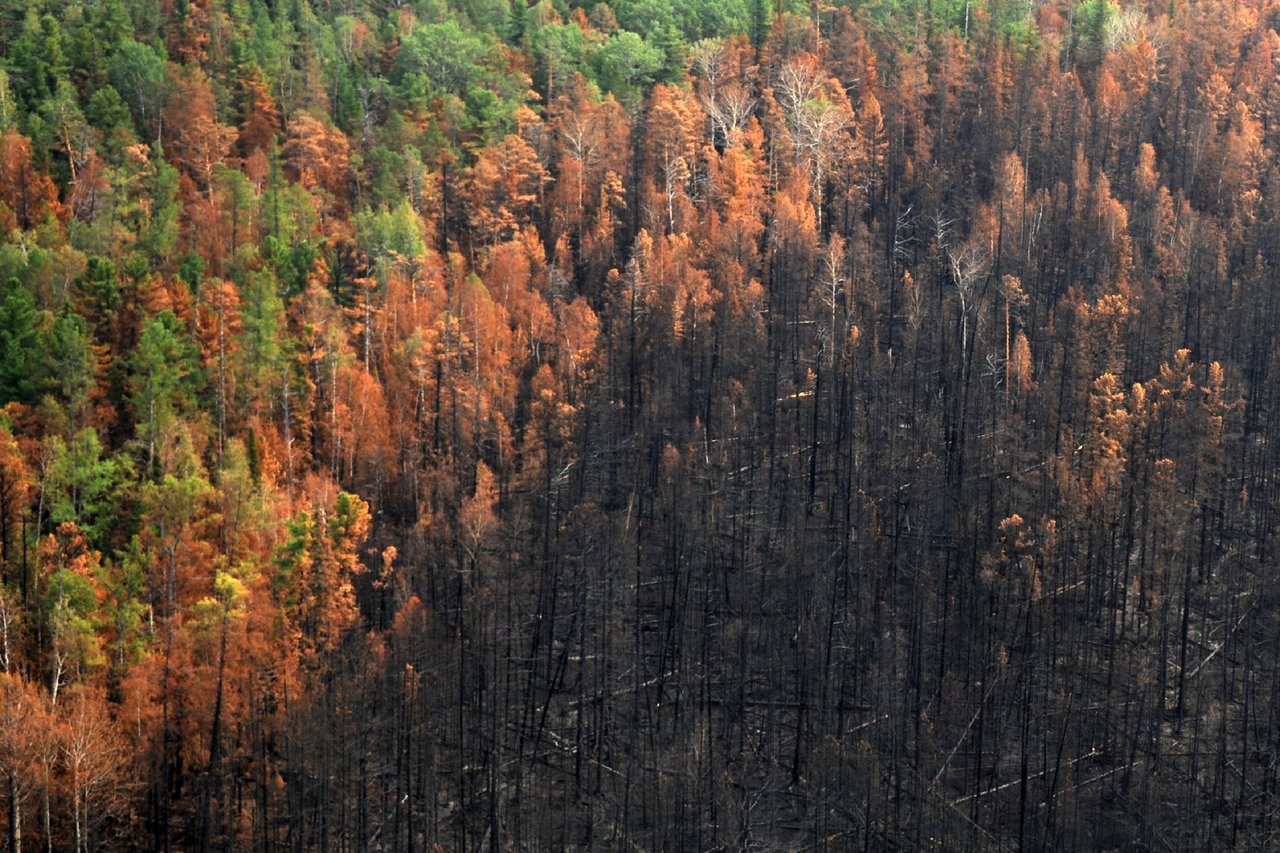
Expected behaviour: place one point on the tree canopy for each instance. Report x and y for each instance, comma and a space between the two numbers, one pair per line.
725, 425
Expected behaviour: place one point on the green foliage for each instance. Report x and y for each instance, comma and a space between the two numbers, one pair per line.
558, 51
314, 567
171, 502
445, 59
759, 16
71, 605
107, 24
163, 377
292, 264
485, 112
646, 16
107, 110
67, 363
8, 108
270, 41
450, 57
191, 269
489, 16
692, 21
14, 262
382, 173
71, 598
626, 66
159, 232
137, 72
145, 15
124, 586
65, 127
239, 200
84, 486
242, 505
1090, 25
288, 219
716, 18
18, 353
99, 289
674, 50
37, 59
346, 530
261, 355
384, 234
291, 558
228, 601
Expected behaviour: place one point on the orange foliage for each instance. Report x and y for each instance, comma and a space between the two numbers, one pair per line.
27, 195
503, 188
316, 155
261, 121
194, 136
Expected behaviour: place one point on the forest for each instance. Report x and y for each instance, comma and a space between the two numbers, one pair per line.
729, 425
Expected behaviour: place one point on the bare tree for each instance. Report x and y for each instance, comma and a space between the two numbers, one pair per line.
969, 266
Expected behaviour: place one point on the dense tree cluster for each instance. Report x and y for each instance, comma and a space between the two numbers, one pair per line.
719, 425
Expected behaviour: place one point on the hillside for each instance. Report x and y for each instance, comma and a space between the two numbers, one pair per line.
725, 425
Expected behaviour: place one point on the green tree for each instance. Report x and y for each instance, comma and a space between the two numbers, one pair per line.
100, 296
259, 353
137, 72
7, 107
68, 365
717, 18
82, 486
446, 59
163, 376
315, 568
108, 111
170, 504
380, 176
381, 235
558, 50
647, 16
157, 237
759, 17
95, 30
18, 351
450, 57
37, 58
70, 595
124, 587
1091, 22
67, 130
674, 51
626, 66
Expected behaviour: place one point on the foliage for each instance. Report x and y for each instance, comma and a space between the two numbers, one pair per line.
732, 424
